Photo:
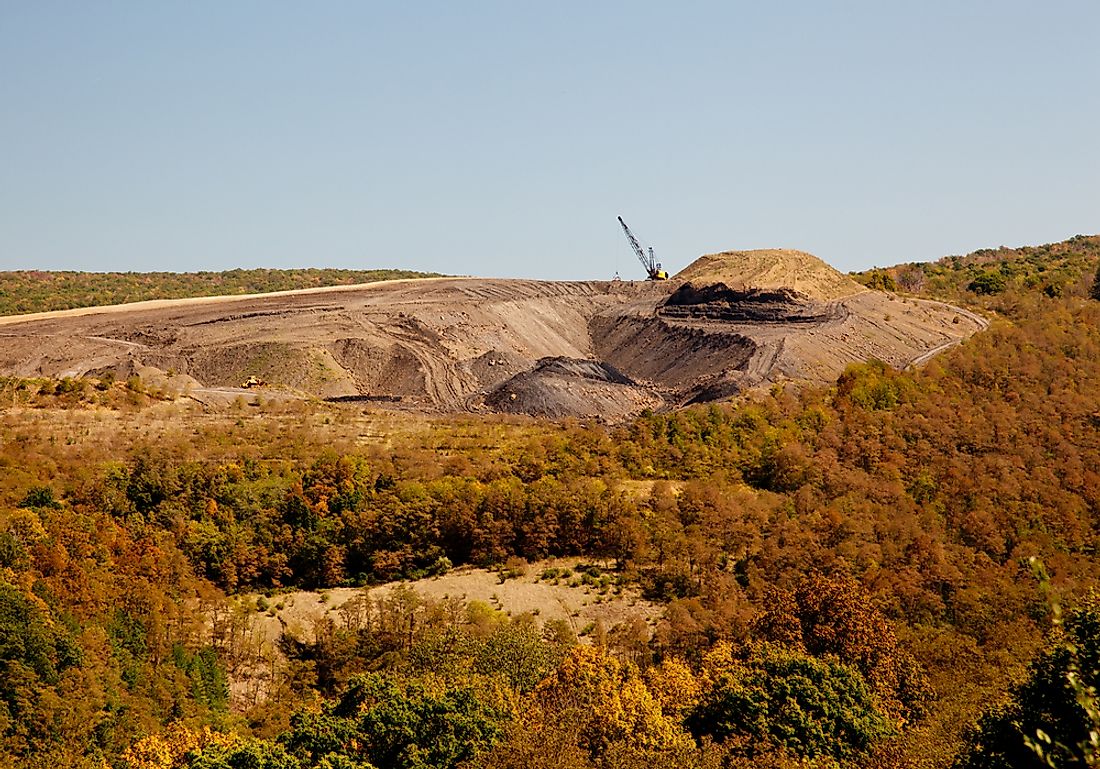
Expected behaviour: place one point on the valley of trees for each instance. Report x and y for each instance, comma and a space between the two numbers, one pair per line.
847, 575
39, 290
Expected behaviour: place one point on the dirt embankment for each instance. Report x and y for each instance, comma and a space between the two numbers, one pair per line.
719, 302
554, 349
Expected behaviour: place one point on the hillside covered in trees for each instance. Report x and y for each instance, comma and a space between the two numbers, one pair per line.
847, 574
39, 290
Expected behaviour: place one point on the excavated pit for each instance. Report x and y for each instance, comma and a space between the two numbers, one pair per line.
670, 356
548, 348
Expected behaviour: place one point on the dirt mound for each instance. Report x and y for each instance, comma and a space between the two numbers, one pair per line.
771, 268
554, 349
560, 387
495, 367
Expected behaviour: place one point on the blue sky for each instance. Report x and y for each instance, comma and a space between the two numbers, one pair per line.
503, 138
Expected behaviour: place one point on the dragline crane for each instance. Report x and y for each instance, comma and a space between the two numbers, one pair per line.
652, 266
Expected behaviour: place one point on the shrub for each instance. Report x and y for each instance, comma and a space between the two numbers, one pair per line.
813, 708
987, 283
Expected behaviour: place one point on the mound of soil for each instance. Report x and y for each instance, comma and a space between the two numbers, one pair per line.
497, 366
771, 268
559, 387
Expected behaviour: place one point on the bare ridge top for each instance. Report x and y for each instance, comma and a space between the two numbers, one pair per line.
771, 268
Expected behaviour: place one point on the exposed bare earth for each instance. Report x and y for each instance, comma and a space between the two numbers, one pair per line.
772, 268
578, 605
603, 349
301, 614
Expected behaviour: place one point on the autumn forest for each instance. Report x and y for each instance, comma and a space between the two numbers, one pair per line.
897, 570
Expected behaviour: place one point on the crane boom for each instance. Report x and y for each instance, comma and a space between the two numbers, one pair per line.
652, 269
634, 244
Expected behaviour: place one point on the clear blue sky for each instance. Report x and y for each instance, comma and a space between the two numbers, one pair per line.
503, 138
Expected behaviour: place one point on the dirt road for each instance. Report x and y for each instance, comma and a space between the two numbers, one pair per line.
163, 304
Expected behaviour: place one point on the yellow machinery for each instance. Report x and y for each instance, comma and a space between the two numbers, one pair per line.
649, 261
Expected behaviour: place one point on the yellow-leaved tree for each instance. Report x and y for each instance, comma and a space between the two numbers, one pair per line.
167, 750
611, 702
674, 685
